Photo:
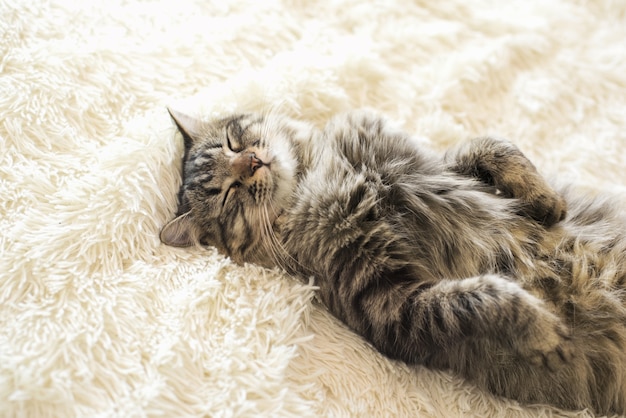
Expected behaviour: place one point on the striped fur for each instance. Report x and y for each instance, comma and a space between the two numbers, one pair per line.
468, 262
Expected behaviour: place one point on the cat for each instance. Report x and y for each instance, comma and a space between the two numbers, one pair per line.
467, 261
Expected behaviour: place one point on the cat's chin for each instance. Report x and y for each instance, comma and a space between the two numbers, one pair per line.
282, 193
282, 170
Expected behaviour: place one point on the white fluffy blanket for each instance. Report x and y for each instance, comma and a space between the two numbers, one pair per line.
98, 319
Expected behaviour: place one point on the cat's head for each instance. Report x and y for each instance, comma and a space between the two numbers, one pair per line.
239, 174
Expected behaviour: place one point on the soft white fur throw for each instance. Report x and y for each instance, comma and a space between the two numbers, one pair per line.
98, 319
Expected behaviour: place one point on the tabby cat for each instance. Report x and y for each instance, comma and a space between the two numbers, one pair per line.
468, 261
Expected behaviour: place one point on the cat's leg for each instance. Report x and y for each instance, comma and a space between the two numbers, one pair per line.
503, 165
489, 308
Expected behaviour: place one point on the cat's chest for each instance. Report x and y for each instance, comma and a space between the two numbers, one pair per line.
334, 206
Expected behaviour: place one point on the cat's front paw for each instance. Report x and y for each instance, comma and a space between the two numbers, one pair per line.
547, 344
547, 208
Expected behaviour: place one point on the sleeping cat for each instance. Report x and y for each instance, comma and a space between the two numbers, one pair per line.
467, 261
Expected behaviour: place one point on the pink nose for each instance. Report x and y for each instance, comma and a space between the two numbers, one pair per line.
245, 164
255, 162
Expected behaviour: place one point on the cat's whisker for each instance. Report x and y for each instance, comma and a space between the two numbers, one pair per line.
266, 126
270, 241
275, 239
266, 238
281, 255
275, 247
274, 211
282, 249
271, 117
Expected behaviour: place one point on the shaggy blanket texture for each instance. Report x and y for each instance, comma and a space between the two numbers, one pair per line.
98, 319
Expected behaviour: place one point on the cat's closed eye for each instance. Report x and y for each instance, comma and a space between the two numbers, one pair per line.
232, 144
233, 186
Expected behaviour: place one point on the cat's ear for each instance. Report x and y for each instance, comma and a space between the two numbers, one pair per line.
179, 232
189, 127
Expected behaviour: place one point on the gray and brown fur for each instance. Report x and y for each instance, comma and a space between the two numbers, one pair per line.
467, 261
